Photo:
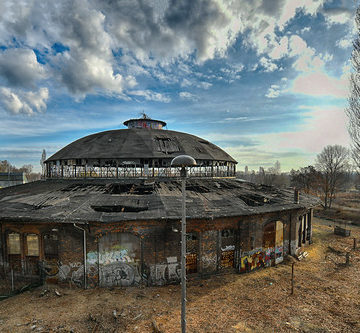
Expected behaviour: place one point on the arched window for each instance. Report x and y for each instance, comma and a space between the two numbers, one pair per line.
273, 241
269, 235
51, 244
14, 243
32, 245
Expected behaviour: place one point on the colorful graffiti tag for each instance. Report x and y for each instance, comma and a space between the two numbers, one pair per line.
260, 257
253, 259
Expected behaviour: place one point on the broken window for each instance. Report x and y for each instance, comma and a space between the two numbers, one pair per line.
191, 236
227, 233
197, 188
32, 242
254, 200
166, 145
51, 247
204, 142
14, 243
227, 248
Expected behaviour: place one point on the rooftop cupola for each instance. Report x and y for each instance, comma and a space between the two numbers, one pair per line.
145, 122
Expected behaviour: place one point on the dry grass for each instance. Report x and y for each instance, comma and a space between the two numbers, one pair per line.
326, 299
345, 208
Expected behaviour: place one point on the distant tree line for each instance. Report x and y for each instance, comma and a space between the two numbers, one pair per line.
331, 172
6, 166
271, 177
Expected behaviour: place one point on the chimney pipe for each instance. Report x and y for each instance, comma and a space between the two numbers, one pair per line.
296, 196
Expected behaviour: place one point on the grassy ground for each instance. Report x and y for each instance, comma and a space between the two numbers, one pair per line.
326, 299
345, 209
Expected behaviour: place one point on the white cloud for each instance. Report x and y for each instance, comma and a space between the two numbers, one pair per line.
268, 65
304, 30
204, 85
344, 43
151, 95
320, 84
20, 68
166, 32
338, 15
306, 58
187, 95
273, 91
23, 103
325, 126
280, 49
186, 83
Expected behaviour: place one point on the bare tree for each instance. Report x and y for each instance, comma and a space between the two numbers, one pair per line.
333, 164
5, 166
353, 110
306, 179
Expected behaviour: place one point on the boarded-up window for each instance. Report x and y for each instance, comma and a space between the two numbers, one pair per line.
191, 263
227, 259
269, 235
14, 243
51, 249
32, 242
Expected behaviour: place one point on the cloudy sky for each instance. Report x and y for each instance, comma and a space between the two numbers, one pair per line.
265, 80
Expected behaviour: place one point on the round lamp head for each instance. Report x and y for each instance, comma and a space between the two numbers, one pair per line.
183, 161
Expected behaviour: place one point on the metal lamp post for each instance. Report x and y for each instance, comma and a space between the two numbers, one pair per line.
183, 161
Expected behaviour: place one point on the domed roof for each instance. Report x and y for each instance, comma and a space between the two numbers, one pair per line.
141, 143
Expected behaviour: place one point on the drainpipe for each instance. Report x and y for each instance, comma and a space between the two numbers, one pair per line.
84, 247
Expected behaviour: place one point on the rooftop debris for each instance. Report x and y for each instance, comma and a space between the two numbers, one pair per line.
132, 199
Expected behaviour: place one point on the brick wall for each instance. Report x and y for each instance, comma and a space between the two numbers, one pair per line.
134, 252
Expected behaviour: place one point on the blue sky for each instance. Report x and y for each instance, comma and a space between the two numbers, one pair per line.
265, 80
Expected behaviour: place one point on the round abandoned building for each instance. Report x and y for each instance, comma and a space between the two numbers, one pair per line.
108, 213
142, 150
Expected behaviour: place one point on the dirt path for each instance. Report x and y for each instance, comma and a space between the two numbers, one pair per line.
326, 299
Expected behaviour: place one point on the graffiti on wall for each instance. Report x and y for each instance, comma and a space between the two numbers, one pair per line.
118, 259
164, 273
254, 259
279, 254
209, 261
92, 258
261, 257
118, 274
116, 253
